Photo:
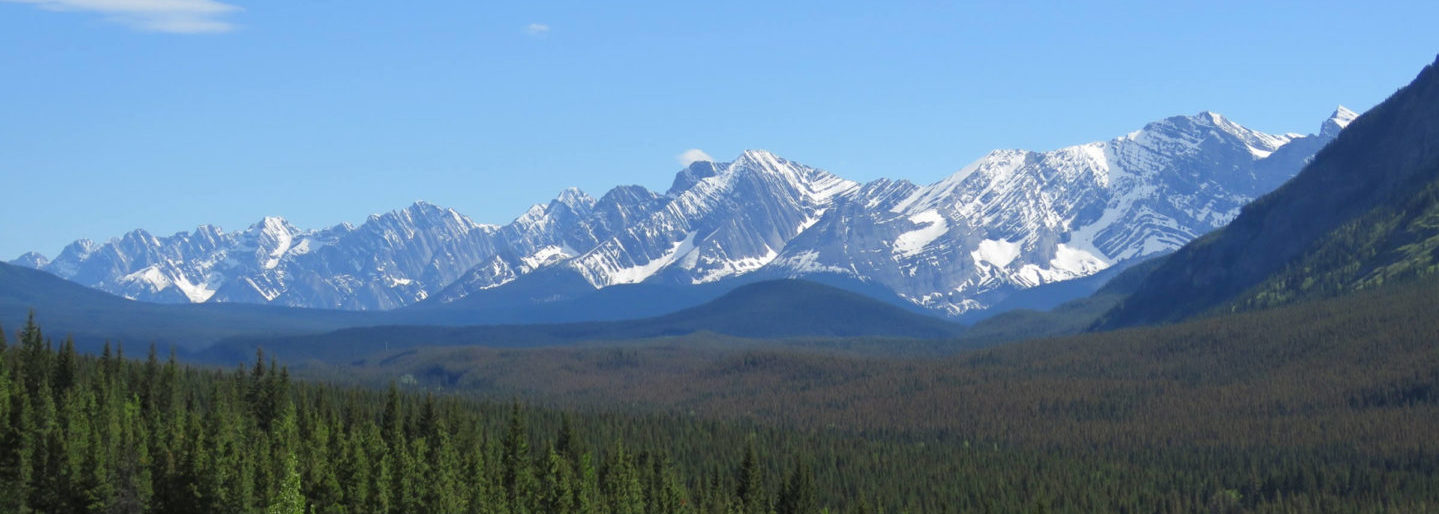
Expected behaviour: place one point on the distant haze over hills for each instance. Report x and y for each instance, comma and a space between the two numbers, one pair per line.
1010, 221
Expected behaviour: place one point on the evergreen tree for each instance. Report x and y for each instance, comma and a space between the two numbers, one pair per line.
34, 358
567, 441
412, 475
485, 496
519, 477
289, 500
445, 493
354, 467
588, 497
558, 485
667, 493
623, 485
798, 495
47, 445
65, 368
392, 424
382, 491
428, 424
749, 482
152, 437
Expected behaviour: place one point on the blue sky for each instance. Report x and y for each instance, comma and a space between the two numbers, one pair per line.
166, 114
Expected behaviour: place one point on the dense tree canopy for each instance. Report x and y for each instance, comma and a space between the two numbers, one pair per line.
103, 434
1329, 406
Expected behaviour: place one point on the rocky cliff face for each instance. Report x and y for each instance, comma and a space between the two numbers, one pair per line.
1016, 219
1013, 219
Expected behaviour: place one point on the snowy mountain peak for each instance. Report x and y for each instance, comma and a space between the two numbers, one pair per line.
81, 247
761, 161
1191, 135
692, 174
425, 212
1338, 121
757, 156
1010, 220
421, 206
273, 238
576, 199
1016, 219
571, 203
994, 166
138, 236
815, 185
274, 226
31, 260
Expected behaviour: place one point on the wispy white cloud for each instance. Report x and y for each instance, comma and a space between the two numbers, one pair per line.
693, 155
173, 16
537, 29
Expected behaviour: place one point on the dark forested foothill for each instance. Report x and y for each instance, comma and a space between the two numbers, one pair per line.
1323, 406
105, 434
1325, 403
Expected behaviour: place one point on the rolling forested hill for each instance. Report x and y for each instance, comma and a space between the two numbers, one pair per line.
91, 317
771, 309
1317, 406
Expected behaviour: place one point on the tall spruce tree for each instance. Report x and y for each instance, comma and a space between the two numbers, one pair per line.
749, 481
798, 495
519, 478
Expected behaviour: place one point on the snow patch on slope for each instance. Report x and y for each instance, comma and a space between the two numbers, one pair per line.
548, 255
734, 267
637, 274
1068, 263
996, 252
808, 261
1076, 261
157, 280
200, 292
914, 241
151, 276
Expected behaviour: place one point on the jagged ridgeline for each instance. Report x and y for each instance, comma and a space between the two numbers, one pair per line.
1010, 221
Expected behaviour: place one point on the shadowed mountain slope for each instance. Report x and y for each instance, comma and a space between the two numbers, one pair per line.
1362, 212
91, 316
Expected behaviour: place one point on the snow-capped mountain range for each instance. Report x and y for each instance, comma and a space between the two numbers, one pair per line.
1012, 220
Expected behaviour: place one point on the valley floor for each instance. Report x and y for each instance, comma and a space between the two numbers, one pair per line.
1321, 406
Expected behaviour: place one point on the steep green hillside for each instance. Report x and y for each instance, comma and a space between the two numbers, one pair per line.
1392, 243
1356, 215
